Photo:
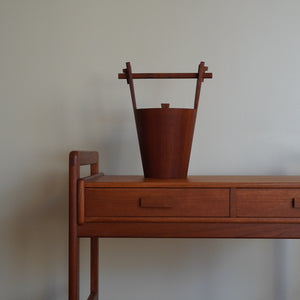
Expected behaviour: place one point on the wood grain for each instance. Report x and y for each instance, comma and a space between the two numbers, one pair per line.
195, 181
77, 159
191, 230
165, 139
126, 202
165, 134
194, 207
267, 203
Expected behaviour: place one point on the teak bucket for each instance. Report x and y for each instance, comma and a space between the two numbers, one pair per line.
165, 134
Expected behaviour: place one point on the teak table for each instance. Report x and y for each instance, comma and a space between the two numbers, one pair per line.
196, 207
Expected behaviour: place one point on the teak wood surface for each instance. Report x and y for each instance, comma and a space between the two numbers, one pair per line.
165, 134
195, 207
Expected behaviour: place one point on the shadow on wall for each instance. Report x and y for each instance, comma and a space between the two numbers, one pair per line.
34, 216
186, 269
36, 240
107, 123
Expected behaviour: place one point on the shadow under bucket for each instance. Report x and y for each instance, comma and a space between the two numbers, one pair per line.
165, 134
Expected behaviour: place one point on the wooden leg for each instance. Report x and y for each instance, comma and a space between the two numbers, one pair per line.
73, 268
77, 159
94, 267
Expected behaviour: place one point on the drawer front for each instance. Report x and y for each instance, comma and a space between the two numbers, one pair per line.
268, 203
152, 202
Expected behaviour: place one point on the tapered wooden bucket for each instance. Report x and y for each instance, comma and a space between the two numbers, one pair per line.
165, 134
165, 139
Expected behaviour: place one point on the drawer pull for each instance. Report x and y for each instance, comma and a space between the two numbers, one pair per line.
155, 203
296, 202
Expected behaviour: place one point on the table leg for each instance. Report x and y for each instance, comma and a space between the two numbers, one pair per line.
74, 268
94, 266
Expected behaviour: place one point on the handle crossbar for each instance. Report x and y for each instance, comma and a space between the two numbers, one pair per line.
200, 76
164, 75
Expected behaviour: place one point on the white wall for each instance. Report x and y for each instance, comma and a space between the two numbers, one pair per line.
59, 92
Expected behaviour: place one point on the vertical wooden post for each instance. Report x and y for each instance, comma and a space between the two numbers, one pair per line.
201, 70
94, 267
94, 252
74, 173
131, 86
77, 159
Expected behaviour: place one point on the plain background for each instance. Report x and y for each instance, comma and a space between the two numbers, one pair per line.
59, 92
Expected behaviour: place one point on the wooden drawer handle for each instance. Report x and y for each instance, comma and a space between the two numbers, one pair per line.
296, 202
155, 203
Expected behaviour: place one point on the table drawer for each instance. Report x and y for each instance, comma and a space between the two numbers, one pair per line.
156, 202
268, 202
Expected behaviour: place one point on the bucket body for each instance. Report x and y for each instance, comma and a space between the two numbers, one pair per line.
165, 138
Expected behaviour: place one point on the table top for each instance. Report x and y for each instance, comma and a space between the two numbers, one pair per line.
101, 180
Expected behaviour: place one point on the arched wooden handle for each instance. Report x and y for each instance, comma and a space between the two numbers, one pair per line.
200, 76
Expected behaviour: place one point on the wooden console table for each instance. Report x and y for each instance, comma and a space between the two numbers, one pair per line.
196, 207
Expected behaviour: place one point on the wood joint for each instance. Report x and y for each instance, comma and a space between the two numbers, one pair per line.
93, 296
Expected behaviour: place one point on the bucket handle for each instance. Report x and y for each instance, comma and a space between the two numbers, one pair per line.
201, 75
